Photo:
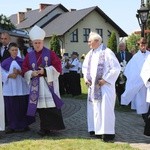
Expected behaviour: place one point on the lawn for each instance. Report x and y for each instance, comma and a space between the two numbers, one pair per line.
64, 144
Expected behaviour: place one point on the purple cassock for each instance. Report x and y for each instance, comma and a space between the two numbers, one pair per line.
15, 98
34, 86
50, 117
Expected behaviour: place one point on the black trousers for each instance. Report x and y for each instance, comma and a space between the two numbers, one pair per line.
120, 88
73, 78
67, 83
61, 85
51, 119
146, 118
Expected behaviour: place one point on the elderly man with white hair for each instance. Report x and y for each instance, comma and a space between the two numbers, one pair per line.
100, 69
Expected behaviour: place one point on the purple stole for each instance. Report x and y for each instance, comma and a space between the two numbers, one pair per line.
95, 92
7, 62
34, 89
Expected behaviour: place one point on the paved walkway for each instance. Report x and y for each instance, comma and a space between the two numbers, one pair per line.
129, 126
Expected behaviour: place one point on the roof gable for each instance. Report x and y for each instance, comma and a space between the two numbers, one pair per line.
66, 21
110, 21
61, 23
33, 16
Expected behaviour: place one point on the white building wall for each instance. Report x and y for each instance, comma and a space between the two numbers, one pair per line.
92, 21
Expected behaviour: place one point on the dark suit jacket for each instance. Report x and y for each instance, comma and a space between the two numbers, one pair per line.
128, 56
5, 55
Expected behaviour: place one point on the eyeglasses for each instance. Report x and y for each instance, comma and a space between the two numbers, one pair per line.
143, 43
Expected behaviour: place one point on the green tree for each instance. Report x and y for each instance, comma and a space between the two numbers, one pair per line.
112, 42
55, 45
132, 42
5, 23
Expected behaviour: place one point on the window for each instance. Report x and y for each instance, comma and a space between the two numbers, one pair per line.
109, 33
74, 36
100, 32
86, 32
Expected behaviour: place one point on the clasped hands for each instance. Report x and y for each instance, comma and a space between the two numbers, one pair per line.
15, 73
40, 71
101, 82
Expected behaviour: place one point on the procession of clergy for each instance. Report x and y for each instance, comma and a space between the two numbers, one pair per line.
31, 85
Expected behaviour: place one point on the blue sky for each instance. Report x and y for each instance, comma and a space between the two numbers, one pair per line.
122, 12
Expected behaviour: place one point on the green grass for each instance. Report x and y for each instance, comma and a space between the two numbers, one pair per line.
64, 144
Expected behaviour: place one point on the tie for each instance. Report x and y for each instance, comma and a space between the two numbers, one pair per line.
5, 48
122, 55
4, 51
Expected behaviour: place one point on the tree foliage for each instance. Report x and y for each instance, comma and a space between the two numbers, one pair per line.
132, 42
5, 23
112, 42
55, 45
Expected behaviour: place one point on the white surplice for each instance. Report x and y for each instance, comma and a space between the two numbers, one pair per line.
14, 87
145, 75
100, 113
45, 97
2, 114
135, 90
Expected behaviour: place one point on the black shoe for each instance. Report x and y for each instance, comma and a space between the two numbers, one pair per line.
108, 137
42, 132
23, 130
147, 127
99, 136
145, 117
9, 131
92, 133
26, 129
1, 135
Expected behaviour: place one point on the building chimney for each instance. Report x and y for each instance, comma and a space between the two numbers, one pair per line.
72, 10
20, 17
43, 6
28, 9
